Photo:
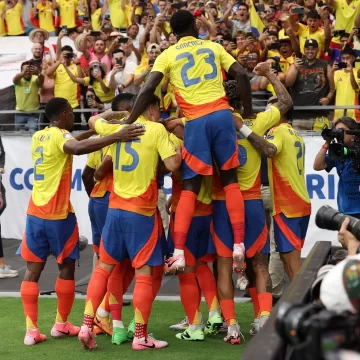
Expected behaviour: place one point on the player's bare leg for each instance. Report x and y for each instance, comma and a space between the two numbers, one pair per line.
235, 207
95, 293
29, 295
292, 262
184, 215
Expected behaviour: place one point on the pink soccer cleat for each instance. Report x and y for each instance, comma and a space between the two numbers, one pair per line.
33, 337
148, 343
175, 263
66, 329
87, 338
233, 335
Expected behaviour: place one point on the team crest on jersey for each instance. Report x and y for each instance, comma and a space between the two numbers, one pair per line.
67, 136
271, 137
340, 79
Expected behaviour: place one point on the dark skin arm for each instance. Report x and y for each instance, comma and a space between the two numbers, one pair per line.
85, 135
88, 179
104, 169
243, 83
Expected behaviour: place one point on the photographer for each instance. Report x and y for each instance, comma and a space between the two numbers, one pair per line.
348, 196
347, 239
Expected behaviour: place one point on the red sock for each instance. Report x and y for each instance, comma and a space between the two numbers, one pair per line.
207, 283
115, 288
158, 272
255, 301
142, 301
190, 296
95, 293
184, 214
235, 207
65, 292
129, 273
228, 311
265, 302
29, 295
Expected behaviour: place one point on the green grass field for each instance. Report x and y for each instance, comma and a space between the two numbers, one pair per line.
12, 331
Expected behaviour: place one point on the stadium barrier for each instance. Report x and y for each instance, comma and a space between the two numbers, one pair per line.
267, 345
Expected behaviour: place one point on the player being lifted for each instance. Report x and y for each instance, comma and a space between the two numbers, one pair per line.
51, 222
194, 67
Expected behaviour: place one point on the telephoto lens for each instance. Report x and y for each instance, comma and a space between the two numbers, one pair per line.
331, 219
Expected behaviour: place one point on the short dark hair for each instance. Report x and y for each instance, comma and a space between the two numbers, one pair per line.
182, 21
227, 37
313, 14
55, 107
348, 51
153, 100
233, 94
67, 48
121, 98
24, 64
117, 51
348, 122
72, 30
245, 5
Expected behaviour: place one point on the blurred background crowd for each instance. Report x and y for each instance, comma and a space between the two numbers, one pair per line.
104, 47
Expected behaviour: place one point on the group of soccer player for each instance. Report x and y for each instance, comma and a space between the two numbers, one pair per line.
216, 207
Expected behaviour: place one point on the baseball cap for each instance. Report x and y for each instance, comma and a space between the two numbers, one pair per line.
311, 42
153, 46
340, 289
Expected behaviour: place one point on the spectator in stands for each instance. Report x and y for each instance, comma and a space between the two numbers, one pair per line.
43, 16
172, 39
132, 32
12, 14
312, 84
143, 70
67, 12
2, 19
252, 59
47, 90
241, 23
264, 83
121, 77
118, 13
346, 83
67, 38
64, 86
96, 13
348, 195
27, 86
101, 55
289, 49
37, 56
131, 52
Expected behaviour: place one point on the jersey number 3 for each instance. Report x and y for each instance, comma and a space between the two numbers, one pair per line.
191, 63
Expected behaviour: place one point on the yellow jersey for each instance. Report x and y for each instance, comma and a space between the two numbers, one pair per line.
105, 98
26, 94
203, 205
46, 18
135, 166
287, 173
194, 67
67, 10
14, 22
304, 34
117, 15
96, 20
65, 87
50, 198
345, 14
345, 94
94, 161
285, 63
2, 22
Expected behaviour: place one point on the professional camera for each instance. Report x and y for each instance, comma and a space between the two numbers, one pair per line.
314, 332
337, 149
330, 219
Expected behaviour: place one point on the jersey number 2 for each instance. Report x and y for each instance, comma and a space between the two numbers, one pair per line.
191, 63
300, 156
131, 152
39, 150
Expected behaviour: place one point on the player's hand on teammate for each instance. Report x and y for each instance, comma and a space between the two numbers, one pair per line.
262, 69
130, 133
171, 123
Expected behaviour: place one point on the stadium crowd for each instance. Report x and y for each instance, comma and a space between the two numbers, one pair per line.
140, 63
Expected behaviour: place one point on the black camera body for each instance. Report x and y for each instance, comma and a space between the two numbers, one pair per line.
338, 150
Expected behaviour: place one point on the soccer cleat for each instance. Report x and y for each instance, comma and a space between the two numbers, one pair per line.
175, 263
6, 272
255, 326
148, 343
191, 335
262, 319
131, 329
97, 331
87, 338
233, 335
119, 336
66, 329
242, 282
182, 325
104, 323
33, 337
224, 328
213, 324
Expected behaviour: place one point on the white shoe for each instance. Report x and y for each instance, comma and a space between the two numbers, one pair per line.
255, 327
242, 282
261, 322
181, 326
6, 272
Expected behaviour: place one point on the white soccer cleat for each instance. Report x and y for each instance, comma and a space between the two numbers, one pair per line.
242, 282
181, 326
175, 263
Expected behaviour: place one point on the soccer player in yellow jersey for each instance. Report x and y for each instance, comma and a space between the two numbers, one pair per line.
194, 68
51, 222
256, 232
132, 223
285, 149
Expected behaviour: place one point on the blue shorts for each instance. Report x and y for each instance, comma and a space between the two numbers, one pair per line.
209, 136
98, 208
164, 244
41, 235
290, 233
128, 234
256, 231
